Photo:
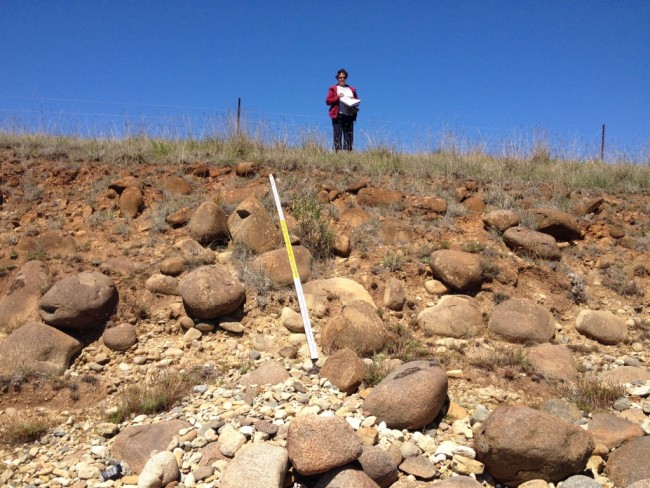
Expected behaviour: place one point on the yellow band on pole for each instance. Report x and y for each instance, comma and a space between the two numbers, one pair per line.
313, 350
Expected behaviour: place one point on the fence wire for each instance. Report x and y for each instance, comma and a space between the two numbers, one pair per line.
117, 120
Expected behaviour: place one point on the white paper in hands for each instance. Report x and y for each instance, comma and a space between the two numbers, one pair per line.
351, 102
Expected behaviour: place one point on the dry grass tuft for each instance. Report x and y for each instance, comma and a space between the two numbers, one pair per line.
592, 395
161, 392
21, 428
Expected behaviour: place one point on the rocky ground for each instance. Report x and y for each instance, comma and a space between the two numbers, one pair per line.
466, 333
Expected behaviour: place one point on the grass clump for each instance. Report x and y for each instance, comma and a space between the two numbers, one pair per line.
508, 360
312, 229
161, 392
401, 344
24, 428
593, 395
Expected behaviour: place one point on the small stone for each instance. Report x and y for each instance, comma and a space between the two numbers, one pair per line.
622, 404
192, 335
234, 327
420, 467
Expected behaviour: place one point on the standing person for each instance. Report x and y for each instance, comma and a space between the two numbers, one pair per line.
343, 102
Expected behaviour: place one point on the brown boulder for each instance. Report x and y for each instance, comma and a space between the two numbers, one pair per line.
354, 217
501, 220
344, 370
131, 202
19, 304
519, 444
276, 265
82, 301
376, 197
175, 185
179, 218
208, 224
319, 444
428, 205
602, 326
474, 204
267, 373
346, 478
136, 443
520, 320
626, 374
453, 316
457, 269
121, 337
554, 362
394, 294
379, 466
610, 432
561, 225
357, 327
629, 463
37, 347
210, 292
410, 396
50, 243
531, 243
251, 225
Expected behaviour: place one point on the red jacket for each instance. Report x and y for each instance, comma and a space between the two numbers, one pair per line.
333, 100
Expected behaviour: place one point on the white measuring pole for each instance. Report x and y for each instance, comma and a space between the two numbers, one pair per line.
313, 352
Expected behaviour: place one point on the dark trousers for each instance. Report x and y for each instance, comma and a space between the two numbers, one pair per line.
343, 127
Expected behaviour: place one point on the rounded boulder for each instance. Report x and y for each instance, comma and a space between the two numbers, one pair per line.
80, 302
520, 320
519, 444
210, 292
410, 396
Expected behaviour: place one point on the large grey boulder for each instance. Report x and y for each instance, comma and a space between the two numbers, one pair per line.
251, 225
83, 301
519, 444
410, 396
531, 243
453, 316
459, 270
260, 465
37, 347
208, 224
357, 327
520, 320
319, 444
19, 304
210, 292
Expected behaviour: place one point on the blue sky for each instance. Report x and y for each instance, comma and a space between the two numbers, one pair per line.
484, 70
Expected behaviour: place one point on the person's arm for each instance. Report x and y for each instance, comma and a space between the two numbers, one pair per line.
332, 96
